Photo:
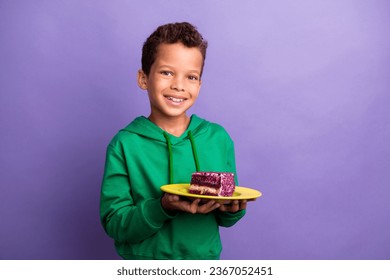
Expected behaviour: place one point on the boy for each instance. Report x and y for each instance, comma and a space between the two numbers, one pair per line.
166, 148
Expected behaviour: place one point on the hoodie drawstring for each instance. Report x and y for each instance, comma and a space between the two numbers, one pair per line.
170, 163
194, 150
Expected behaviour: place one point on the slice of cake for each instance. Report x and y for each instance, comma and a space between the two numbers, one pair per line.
212, 183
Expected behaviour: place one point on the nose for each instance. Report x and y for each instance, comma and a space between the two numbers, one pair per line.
177, 84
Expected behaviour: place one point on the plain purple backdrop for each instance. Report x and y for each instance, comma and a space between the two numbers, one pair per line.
302, 87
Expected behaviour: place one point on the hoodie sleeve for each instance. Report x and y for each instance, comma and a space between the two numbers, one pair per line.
122, 219
227, 219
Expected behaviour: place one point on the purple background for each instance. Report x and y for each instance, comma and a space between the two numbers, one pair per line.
302, 87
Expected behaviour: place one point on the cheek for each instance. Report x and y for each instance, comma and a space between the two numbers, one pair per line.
195, 91
157, 84
155, 90
196, 95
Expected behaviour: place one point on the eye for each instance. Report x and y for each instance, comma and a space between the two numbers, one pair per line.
166, 73
193, 78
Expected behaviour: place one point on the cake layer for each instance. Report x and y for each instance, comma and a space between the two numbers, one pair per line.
212, 183
204, 190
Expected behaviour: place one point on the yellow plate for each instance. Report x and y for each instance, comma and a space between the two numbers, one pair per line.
240, 193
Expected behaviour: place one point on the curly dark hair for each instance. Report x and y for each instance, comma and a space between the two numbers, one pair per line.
172, 33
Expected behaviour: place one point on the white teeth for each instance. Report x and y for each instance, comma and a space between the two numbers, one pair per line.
175, 99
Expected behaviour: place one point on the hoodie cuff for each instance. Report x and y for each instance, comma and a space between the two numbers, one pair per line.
155, 214
228, 219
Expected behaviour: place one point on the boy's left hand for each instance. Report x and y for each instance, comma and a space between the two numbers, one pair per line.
234, 206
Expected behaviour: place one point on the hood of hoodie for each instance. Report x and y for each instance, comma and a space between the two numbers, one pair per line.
144, 127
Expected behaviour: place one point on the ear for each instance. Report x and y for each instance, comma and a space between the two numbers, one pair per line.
142, 80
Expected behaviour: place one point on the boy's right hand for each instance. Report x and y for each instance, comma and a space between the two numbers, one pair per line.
172, 203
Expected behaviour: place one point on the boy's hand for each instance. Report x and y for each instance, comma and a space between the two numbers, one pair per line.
172, 203
234, 206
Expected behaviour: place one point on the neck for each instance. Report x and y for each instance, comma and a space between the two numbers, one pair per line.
173, 125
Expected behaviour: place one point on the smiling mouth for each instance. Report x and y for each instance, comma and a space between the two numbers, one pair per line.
175, 100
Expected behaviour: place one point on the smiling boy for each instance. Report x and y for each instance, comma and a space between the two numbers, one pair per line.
166, 148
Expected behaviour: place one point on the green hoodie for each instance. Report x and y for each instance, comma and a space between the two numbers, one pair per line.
140, 159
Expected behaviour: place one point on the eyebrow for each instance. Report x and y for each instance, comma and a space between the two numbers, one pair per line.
172, 67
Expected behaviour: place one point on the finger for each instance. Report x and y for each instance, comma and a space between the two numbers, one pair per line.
226, 207
170, 202
223, 208
209, 203
214, 205
235, 206
196, 202
172, 197
208, 207
227, 202
243, 204
194, 206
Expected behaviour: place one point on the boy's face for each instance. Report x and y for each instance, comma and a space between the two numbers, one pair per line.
173, 83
